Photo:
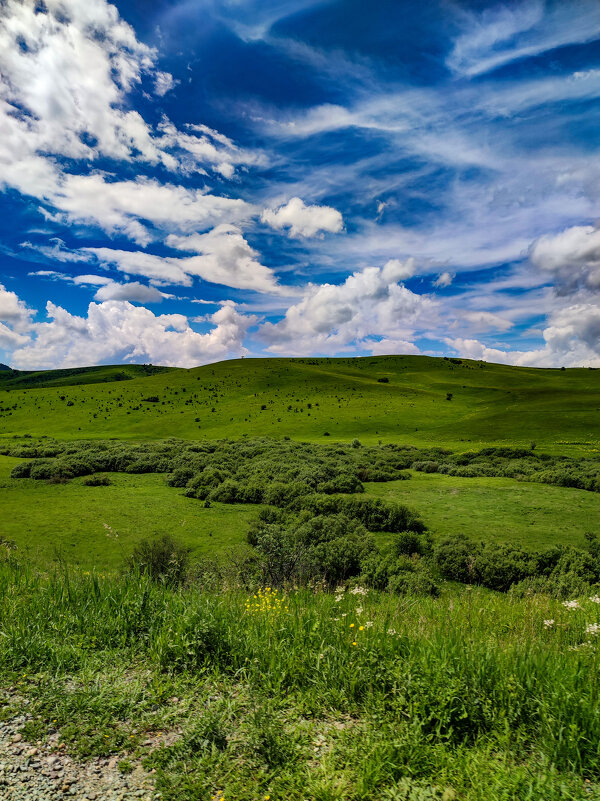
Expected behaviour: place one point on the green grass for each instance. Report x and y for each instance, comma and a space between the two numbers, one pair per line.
535, 516
490, 404
97, 527
465, 698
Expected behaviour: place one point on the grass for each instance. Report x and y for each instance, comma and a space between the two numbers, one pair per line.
535, 516
491, 404
467, 697
95, 527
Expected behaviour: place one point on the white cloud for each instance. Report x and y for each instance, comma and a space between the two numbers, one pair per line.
504, 33
118, 206
572, 339
93, 280
303, 220
484, 321
392, 347
331, 317
224, 258
132, 291
66, 69
163, 83
14, 311
117, 330
443, 280
572, 257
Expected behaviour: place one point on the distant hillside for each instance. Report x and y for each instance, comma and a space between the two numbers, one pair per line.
411, 399
74, 376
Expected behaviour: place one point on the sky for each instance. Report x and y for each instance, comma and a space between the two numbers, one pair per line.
185, 181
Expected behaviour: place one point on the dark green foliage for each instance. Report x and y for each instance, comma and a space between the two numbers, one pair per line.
96, 481
559, 571
374, 513
328, 548
163, 559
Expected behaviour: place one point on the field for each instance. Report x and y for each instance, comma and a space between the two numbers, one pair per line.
309, 398
78, 524
386, 591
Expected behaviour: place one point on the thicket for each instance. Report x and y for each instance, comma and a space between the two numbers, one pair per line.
317, 523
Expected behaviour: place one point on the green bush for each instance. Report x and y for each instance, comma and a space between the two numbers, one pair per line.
96, 481
162, 559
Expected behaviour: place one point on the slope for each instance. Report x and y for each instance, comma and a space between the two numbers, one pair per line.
408, 399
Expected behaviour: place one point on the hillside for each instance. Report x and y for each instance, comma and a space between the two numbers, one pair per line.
407, 399
25, 379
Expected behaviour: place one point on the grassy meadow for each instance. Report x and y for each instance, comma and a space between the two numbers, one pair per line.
306, 399
389, 584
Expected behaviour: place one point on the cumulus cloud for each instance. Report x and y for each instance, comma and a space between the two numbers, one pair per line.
14, 311
163, 83
302, 220
392, 347
572, 339
118, 206
445, 279
224, 257
117, 330
132, 291
484, 321
66, 70
571, 257
370, 303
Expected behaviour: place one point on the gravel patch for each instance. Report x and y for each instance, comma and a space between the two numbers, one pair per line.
46, 772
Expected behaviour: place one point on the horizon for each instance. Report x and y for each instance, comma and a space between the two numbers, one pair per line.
202, 180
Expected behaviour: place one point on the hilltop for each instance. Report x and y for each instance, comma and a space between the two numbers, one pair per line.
407, 399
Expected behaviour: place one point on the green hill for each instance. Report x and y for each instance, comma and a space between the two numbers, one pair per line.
25, 379
406, 399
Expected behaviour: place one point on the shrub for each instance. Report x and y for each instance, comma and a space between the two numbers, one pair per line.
413, 583
96, 481
163, 559
455, 558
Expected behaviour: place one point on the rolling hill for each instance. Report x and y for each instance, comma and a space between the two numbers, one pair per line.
405, 399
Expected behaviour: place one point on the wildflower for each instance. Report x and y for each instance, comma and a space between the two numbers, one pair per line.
392, 632
351, 625
361, 628
595, 599
571, 604
354, 643
359, 610
359, 591
369, 623
592, 628
548, 623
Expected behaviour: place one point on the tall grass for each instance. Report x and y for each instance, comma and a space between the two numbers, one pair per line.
468, 694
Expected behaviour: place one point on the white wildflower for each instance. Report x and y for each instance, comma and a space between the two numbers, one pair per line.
368, 624
359, 591
392, 632
595, 599
548, 623
592, 628
571, 604
359, 610
338, 598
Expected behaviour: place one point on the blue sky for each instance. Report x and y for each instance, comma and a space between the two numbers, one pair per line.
183, 182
